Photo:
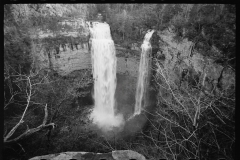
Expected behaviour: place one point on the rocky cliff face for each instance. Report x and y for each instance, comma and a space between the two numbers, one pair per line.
65, 50
67, 60
114, 155
70, 60
180, 60
79, 57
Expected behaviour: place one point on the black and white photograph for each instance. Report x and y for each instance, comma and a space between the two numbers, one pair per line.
119, 81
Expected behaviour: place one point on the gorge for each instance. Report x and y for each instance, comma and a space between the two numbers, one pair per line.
79, 88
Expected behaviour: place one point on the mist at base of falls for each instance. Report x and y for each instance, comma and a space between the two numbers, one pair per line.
104, 74
108, 115
105, 120
125, 104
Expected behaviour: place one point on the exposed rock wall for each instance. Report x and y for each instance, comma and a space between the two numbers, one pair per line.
114, 155
179, 56
65, 61
70, 60
74, 55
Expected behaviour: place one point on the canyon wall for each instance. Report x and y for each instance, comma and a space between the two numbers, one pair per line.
67, 60
180, 61
63, 51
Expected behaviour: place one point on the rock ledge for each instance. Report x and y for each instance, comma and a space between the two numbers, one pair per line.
114, 155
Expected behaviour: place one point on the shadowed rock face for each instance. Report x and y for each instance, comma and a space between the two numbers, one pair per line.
114, 155
180, 56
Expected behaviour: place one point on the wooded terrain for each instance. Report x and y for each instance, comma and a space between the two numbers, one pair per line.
207, 25
34, 100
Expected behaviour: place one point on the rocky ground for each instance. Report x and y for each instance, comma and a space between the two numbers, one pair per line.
114, 155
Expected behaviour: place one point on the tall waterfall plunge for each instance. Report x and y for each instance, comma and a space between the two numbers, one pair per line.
143, 75
104, 73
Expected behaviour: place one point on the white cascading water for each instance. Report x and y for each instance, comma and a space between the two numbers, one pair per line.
143, 74
104, 73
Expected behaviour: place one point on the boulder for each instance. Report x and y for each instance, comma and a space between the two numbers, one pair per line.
114, 155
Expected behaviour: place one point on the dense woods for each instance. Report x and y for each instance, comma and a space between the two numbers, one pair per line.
36, 100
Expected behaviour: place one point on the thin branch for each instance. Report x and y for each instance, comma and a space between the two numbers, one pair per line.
46, 115
29, 131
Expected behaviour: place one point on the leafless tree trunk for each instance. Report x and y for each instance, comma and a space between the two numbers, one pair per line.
29, 92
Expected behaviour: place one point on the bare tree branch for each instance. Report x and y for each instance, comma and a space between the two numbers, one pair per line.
29, 131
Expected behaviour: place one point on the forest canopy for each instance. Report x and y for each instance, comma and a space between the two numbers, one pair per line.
40, 97
207, 25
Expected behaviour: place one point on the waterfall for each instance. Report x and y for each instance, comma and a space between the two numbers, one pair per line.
104, 74
143, 75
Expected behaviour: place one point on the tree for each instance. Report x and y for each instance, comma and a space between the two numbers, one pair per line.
209, 26
22, 81
22, 87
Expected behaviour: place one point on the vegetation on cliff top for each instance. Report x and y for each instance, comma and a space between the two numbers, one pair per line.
34, 100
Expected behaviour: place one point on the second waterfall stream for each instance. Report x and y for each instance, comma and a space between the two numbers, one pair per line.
143, 74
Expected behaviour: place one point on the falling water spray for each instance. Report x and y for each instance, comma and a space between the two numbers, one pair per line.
104, 74
143, 75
